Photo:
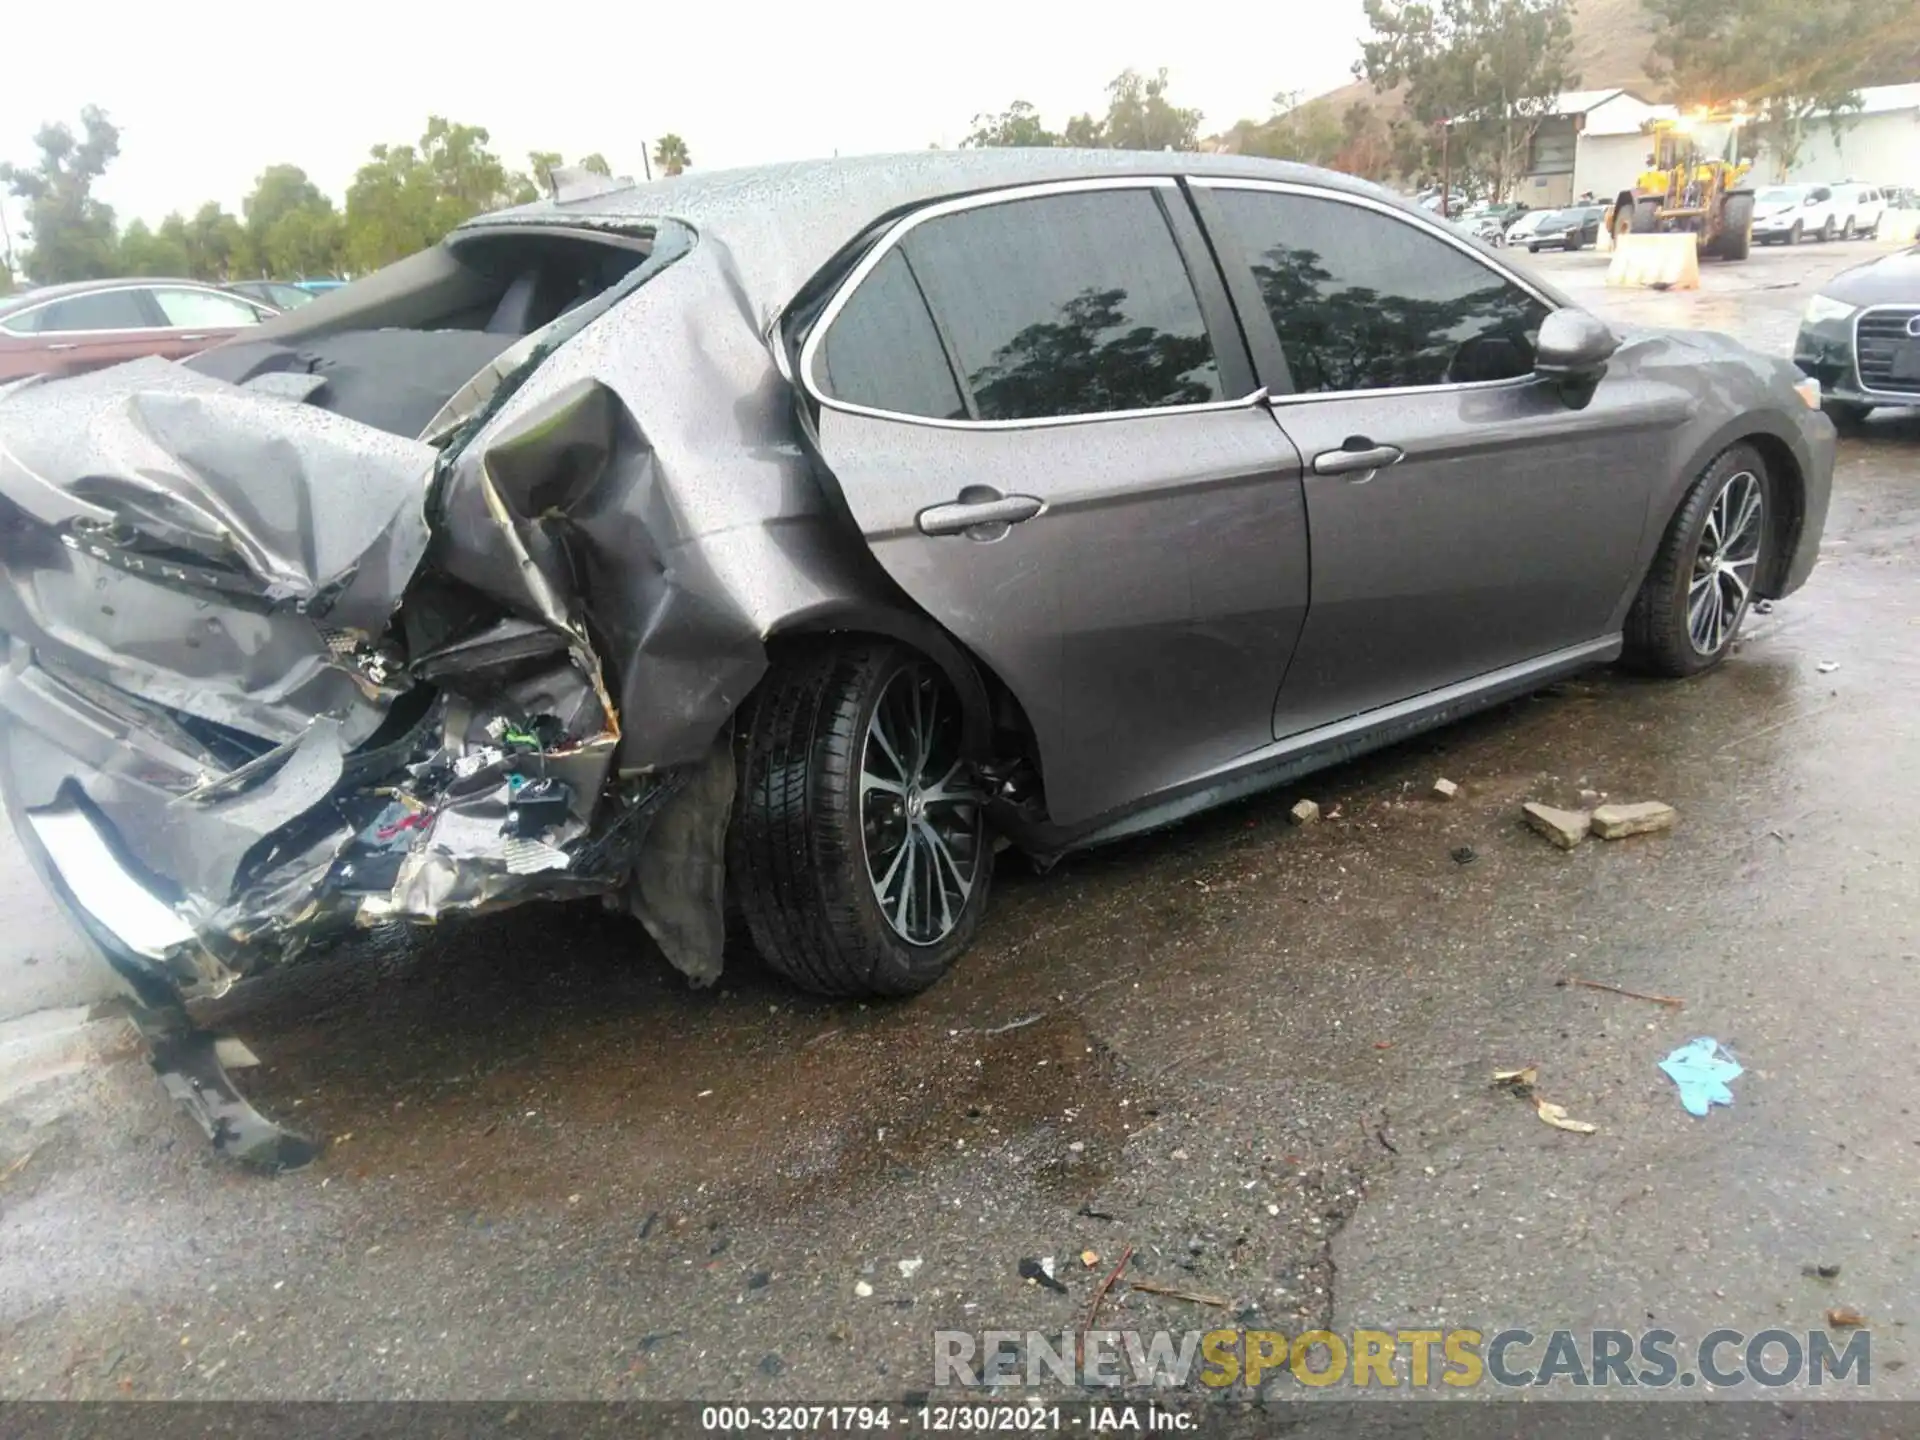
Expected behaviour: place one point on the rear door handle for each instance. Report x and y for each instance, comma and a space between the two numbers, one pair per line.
960, 516
192, 337
1356, 457
64, 345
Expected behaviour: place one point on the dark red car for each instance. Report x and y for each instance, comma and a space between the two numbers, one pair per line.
64, 329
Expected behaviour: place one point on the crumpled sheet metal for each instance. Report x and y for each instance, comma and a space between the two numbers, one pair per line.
181, 458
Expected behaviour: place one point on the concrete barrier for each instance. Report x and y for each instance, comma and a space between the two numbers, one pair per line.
1662, 262
1899, 228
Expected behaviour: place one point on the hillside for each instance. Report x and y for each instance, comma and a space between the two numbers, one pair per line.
1610, 43
1611, 39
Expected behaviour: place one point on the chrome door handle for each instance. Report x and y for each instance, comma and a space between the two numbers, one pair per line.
1346, 462
193, 337
64, 345
960, 516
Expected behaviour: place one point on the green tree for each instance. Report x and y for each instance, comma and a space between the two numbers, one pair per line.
292, 228
72, 232
407, 197
597, 164
1141, 117
1489, 70
1083, 132
1782, 62
671, 154
540, 167
1018, 125
142, 252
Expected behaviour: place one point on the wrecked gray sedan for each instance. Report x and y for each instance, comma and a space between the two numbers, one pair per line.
783, 542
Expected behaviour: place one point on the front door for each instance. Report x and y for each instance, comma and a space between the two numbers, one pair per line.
1464, 517
1038, 412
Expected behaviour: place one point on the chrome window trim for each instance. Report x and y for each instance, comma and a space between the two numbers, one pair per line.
1416, 222
809, 352
1897, 397
7, 323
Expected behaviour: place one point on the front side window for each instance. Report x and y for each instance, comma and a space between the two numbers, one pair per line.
103, 310
205, 309
1029, 309
1363, 300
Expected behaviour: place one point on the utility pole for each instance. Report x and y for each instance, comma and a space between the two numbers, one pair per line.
645, 163
1446, 167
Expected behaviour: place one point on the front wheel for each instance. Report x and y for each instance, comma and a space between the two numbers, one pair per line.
1826, 231
1797, 234
1697, 590
859, 856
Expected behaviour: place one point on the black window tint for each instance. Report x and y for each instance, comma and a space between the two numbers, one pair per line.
1067, 305
1365, 301
107, 310
882, 350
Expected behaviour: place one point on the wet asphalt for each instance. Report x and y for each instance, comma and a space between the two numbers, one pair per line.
1256, 1053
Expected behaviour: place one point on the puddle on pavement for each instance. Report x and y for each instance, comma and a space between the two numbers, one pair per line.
540, 1056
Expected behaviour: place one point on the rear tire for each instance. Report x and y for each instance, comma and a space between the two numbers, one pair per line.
1826, 231
820, 810
1690, 606
1846, 230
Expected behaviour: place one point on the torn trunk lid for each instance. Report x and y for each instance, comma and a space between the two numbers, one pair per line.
211, 736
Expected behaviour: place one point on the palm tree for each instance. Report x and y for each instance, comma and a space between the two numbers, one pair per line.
671, 155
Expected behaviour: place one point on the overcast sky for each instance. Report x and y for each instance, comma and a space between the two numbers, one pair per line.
203, 106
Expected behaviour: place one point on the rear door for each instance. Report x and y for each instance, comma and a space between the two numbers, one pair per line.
1464, 519
196, 317
1040, 414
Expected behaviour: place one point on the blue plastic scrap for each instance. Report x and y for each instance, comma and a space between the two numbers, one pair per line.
1702, 1068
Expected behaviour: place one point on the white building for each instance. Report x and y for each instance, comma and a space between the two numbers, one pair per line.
1879, 143
1596, 142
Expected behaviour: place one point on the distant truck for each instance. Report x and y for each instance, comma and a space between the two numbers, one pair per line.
1683, 190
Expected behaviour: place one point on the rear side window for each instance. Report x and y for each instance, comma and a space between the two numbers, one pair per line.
1033, 309
188, 309
883, 352
1365, 301
106, 310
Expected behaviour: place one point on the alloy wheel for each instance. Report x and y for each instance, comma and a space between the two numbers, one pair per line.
920, 815
1725, 563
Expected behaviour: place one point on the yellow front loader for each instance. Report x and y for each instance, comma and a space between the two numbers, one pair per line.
1686, 189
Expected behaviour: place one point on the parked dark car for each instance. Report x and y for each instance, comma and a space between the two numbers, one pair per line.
65, 329
1573, 229
799, 534
280, 294
1860, 337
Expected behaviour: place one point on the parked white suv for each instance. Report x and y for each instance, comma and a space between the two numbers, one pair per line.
1859, 208
1788, 214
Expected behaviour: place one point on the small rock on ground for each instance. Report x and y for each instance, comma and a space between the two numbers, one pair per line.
1305, 813
1445, 789
1610, 822
1565, 828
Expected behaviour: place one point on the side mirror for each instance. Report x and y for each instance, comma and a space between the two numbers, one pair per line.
1573, 351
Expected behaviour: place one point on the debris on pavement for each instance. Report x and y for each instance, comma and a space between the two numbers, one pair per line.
908, 1268
862, 1289
1612, 822
1174, 1292
1305, 812
1040, 1272
1445, 789
1673, 1002
1565, 828
1827, 667
1093, 1305
1521, 1083
1845, 1317
16, 1167
1821, 1272
1089, 1258
1464, 854
1556, 1116
1701, 1068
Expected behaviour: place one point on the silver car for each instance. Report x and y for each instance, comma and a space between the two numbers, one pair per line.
783, 542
